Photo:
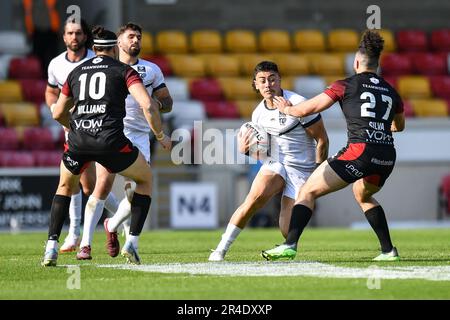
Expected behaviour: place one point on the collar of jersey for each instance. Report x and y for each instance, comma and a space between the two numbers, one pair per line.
85, 55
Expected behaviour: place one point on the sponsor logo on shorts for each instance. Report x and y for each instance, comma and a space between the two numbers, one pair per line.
354, 171
382, 162
71, 162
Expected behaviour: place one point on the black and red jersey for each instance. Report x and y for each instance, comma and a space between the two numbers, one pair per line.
369, 104
99, 88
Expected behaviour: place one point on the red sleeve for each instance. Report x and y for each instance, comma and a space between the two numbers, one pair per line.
132, 77
66, 90
336, 90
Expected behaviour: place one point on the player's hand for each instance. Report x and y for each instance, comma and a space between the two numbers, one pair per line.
281, 103
244, 141
166, 142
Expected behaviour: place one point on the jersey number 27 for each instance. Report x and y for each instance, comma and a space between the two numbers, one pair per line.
367, 106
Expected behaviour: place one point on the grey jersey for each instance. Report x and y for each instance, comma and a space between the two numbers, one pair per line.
290, 145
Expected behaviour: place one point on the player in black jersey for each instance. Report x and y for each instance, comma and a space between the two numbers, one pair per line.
373, 110
97, 90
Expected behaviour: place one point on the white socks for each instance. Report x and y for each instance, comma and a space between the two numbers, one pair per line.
134, 240
111, 203
122, 213
92, 214
75, 215
228, 237
51, 244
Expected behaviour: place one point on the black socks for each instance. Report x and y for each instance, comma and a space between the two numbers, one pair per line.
377, 220
299, 219
140, 204
58, 214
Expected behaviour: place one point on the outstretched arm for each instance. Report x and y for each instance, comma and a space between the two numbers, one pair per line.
164, 100
314, 105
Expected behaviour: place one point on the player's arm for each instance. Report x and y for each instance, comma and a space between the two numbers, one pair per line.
52, 90
163, 99
317, 132
314, 105
61, 110
151, 112
398, 123
51, 95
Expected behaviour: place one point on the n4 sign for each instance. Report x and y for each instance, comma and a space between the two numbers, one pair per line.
193, 205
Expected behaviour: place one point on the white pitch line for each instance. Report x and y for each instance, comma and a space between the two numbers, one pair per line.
290, 269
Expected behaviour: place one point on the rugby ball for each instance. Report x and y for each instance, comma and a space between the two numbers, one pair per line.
259, 138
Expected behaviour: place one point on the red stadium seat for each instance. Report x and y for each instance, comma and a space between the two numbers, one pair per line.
396, 64
9, 139
206, 89
34, 90
25, 68
412, 40
392, 80
428, 63
440, 40
162, 62
408, 109
16, 159
47, 158
221, 109
440, 86
38, 139
444, 195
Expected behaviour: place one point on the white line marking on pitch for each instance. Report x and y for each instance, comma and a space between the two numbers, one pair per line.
289, 269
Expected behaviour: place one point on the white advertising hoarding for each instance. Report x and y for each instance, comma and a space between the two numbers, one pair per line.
193, 205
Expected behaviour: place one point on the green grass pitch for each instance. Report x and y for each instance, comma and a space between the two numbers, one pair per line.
22, 277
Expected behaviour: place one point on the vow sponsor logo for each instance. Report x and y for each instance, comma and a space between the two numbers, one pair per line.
88, 124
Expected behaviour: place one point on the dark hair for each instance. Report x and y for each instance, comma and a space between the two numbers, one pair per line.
102, 34
371, 46
84, 27
129, 26
264, 66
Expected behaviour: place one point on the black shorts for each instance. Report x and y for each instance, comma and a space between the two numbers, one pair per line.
374, 163
114, 162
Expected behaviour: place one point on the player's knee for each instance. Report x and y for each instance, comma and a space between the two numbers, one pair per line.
65, 188
87, 189
306, 194
256, 201
360, 194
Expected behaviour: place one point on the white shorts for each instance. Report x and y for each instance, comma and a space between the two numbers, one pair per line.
293, 177
141, 140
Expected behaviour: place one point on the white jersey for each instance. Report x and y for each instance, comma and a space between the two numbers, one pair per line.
60, 67
290, 145
152, 78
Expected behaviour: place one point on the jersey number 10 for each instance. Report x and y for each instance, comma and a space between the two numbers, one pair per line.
367, 106
97, 86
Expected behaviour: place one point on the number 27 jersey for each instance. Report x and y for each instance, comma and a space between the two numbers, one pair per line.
369, 104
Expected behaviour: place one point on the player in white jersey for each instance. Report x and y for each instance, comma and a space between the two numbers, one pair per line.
136, 129
298, 145
75, 38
